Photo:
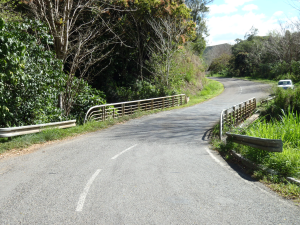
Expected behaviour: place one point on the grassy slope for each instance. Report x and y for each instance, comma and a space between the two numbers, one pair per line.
211, 89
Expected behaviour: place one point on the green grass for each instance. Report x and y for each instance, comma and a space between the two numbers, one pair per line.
287, 129
211, 89
286, 163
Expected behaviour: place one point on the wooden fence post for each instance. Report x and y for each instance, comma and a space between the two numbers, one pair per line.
240, 113
172, 101
123, 109
103, 113
151, 104
113, 113
233, 115
163, 103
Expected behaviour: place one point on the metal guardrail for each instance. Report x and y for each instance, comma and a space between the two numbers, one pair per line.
266, 101
270, 145
18, 131
117, 110
237, 113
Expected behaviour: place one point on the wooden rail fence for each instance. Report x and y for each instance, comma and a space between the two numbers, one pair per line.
237, 114
117, 110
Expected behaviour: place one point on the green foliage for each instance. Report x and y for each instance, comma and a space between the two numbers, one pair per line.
220, 64
30, 76
288, 130
285, 100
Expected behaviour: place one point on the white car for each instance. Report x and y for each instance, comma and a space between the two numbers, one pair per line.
285, 84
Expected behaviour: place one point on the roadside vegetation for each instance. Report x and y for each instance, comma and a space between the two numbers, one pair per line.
280, 119
211, 89
60, 58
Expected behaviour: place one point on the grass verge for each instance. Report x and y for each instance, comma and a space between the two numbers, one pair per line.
286, 163
211, 89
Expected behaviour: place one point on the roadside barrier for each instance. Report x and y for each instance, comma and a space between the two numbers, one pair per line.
117, 110
237, 113
18, 131
270, 145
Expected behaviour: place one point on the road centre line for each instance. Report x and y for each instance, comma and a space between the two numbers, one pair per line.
85, 191
116, 156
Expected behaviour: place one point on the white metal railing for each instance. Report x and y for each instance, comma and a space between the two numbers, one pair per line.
237, 113
17, 131
116, 110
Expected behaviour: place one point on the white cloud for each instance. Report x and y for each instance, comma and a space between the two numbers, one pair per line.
238, 25
250, 7
218, 9
237, 2
230, 6
278, 13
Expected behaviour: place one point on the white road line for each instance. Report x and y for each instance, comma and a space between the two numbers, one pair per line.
116, 156
246, 181
215, 158
85, 191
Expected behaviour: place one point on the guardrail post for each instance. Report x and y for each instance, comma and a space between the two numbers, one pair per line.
151, 104
113, 113
103, 113
173, 102
226, 116
131, 110
123, 109
163, 103
221, 125
233, 115
240, 113
139, 105
181, 100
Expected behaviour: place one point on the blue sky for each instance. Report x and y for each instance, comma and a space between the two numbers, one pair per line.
231, 19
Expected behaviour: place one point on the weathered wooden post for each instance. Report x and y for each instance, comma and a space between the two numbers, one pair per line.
139, 105
103, 113
163, 103
233, 115
240, 116
123, 109
151, 104
173, 103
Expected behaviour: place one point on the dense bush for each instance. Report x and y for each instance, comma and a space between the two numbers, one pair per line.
285, 101
220, 64
31, 78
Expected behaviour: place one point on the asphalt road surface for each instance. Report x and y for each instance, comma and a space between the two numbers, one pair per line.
154, 170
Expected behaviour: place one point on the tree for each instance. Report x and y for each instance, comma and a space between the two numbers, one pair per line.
82, 34
199, 10
169, 33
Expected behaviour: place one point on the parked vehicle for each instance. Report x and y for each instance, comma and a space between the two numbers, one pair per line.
285, 84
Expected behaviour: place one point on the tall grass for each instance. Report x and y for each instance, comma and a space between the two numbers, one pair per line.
288, 130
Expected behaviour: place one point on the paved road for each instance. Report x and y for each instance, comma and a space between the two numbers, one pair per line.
154, 170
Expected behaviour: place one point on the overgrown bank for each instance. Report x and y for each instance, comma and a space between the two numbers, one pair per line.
211, 89
279, 120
